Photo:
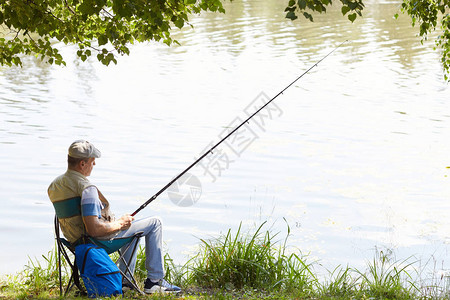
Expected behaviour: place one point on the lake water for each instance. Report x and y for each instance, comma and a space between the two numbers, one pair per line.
354, 155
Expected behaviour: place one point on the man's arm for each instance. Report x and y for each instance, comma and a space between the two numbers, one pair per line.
96, 227
91, 212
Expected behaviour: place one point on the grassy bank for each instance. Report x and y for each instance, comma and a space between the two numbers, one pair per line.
250, 266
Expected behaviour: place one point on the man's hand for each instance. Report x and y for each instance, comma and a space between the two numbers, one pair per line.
125, 222
96, 227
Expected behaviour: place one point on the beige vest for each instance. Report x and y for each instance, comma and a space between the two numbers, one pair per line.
68, 186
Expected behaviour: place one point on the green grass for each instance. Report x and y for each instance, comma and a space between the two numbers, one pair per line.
250, 261
248, 266
388, 279
39, 279
340, 284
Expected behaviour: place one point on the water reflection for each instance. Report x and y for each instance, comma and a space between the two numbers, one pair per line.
86, 75
358, 153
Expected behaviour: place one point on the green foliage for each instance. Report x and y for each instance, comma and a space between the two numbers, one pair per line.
352, 8
430, 15
107, 28
101, 27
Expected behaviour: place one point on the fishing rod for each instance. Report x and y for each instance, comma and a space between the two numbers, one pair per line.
229, 134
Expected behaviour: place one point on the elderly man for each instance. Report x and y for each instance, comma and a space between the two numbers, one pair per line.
97, 221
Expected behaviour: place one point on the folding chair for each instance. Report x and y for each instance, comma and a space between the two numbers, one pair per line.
70, 208
62, 246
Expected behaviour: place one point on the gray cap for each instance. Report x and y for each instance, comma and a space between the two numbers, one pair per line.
83, 149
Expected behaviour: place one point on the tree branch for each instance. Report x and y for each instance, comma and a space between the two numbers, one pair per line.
70, 8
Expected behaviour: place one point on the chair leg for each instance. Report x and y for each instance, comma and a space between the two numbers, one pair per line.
69, 286
58, 247
73, 266
74, 278
132, 282
129, 278
59, 269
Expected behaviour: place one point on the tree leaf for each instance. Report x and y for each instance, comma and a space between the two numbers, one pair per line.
291, 15
308, 16
352, 17
179, 22
345, 10
301, 4
86, 7
102, 40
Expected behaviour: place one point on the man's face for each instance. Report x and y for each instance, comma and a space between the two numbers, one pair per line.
86, 168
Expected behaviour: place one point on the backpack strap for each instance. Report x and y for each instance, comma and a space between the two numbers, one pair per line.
86, 255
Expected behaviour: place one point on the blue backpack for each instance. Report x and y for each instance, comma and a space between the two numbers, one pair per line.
100, 274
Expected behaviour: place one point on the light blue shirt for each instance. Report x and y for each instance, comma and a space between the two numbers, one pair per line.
90, 203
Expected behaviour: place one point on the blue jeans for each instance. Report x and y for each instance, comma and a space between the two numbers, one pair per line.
152, 228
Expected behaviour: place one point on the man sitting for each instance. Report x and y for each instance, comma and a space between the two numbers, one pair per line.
97, 221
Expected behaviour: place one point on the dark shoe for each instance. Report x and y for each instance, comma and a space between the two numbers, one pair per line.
162, 286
